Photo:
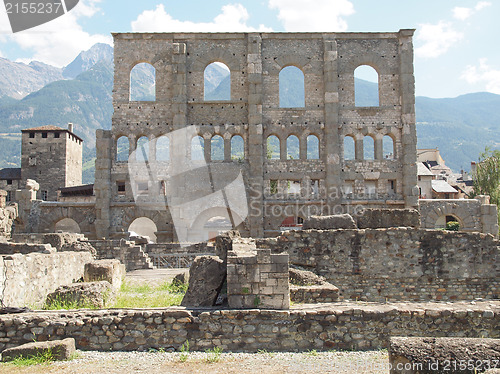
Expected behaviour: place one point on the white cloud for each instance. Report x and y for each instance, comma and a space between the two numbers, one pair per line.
462, 13
483, 73
322, 15
59, 41
436, 39
233, 18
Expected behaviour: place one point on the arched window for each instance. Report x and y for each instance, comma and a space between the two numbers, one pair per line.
163, 148
198, 148
143, 82
237, 148
388, 147
366, 86
217, 148
142, 150
217, 82
349, 148
312, 147
67, 225
122, 149
273, 147
368, 148
291, 88
292, 148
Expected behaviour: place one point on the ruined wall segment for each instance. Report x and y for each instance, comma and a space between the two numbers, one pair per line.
326, 184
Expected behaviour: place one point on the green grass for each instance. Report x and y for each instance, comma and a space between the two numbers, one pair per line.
41, 358
61, 303
147, 296
213, 355
184, 352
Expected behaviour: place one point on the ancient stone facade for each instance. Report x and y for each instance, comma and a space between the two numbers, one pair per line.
328, 183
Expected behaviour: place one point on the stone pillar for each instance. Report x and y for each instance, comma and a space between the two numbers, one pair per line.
3, 197
332, 143
408, 127
26, 198
256, 142
102, 184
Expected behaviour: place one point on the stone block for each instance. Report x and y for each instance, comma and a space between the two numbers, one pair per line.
339, 221
60, 350
82, 295
206, 277
433, 354
108, 270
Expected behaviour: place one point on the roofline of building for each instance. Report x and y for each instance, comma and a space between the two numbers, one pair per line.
53, 130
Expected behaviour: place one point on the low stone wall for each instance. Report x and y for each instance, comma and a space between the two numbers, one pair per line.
397, 263
25, 280
314, 294
25, 248
358, 326
56, 240
385, 218
170, 248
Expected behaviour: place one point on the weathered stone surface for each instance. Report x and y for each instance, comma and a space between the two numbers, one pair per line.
385, 218
300, 277
108, 270
182, 278
206, 276
27, 279
434, 355
339, 221
60, 350
82, 295
7, 216
10, 248
79, 246
224, 243
397, 263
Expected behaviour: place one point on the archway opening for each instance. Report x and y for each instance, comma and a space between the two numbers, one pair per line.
349, 148
273, 147
143, 226
237, 148
292, 148
366, 81
291, 88
217, 82
163, 148
312, 146
217, 148
122, 149
143, 82
368, 148
216, 226
142, 150
67, 225
197, 148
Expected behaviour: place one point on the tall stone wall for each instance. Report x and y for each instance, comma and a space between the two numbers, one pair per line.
25, 280
355, 326
398, 263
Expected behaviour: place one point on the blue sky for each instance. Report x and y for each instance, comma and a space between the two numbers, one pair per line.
457, 50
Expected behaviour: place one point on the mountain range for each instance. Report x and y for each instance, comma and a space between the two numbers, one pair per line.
38, 94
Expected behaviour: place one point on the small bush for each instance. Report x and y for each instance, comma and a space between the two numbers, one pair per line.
184, 351
213, 355
452, 226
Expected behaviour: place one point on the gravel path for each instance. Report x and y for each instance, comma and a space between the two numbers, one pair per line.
375, 362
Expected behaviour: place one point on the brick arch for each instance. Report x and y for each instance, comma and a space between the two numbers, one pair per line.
300, 62
161, 218
449, 208
84, 217
217, 55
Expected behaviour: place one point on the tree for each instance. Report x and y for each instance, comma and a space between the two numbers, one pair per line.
487, 176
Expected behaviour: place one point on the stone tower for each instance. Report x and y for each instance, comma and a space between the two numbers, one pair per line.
53, 157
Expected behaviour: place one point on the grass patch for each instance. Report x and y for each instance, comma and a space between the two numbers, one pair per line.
213, 355
63, 303
184, 352
146, 296
41, 358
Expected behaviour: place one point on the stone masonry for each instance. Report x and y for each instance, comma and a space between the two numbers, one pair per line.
258, 281
327, 61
